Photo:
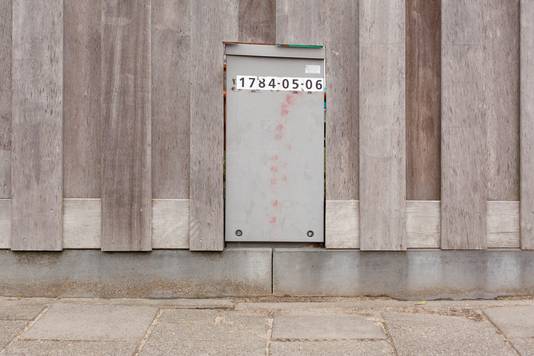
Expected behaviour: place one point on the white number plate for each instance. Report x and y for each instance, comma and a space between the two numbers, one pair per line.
251, 82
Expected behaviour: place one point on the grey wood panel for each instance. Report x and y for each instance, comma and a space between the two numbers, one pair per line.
423, 99
422, 223
82, 115
503, 224
464, 189
500, 70
82, 224
299, 21
171, 49
382, 172
37, 169
527, 124
5, 98
126, 91
341, 41
170, 226
257, 21
342, 228
212, 23
5, 223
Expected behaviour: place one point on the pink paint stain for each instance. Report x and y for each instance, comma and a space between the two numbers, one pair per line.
275, 203
274, 158
274, 168
274, 181
272, 220
288, 102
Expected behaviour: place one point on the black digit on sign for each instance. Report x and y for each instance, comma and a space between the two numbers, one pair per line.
309, 84
272, 83
319, 84
261, 82
295, 84
285, 83
252, 80
242, 82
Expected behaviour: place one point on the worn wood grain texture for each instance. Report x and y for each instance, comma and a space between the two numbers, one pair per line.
423, 99
126, 91
527, 124
503, 224
464, 155
212, 22
257, 21
341, 224
37, 130
5, 223
299, 21
500, 73
382, 131
171, 49
5, 98
170, 227
422, 223
82, 223
341, 41
82, 115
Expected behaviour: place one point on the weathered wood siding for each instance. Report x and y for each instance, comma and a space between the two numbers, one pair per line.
382, 125
527, 124
126, 92
112, 120
37, 136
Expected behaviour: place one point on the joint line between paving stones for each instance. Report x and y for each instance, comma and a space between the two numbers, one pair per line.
270, 322
148, 332
388, 335
499, 331
26, 328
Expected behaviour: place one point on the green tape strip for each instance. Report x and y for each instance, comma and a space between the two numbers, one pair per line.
304, 46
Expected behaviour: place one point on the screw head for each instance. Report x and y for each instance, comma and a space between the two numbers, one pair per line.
238, 233
309, 233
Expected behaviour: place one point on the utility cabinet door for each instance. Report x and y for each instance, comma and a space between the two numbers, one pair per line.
274, 151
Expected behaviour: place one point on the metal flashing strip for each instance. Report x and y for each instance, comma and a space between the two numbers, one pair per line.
284, 51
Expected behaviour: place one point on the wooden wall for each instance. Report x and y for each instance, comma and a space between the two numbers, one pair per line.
112, 131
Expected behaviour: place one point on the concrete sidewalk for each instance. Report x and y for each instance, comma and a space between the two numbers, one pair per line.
265, 327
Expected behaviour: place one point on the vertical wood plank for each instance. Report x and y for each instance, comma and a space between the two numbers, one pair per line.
423, 99
341, 41
5, 98
212, 22
479, 116
464, 130
299, 22
501, 95
37, 179
126, 185
382, 125
82, 80
257, 21
171, 45
527, 124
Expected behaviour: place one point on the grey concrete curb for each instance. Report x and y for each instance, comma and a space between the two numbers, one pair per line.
421, 274
156, 274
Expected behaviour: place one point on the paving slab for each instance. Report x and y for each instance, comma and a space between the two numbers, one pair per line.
69, 348
180, 303
8, 330
19, 310
208, 332
92, 322
513, 321
525, 346
325, 327
424, 334
331, 348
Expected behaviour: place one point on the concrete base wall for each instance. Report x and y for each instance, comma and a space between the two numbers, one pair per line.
431, 274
